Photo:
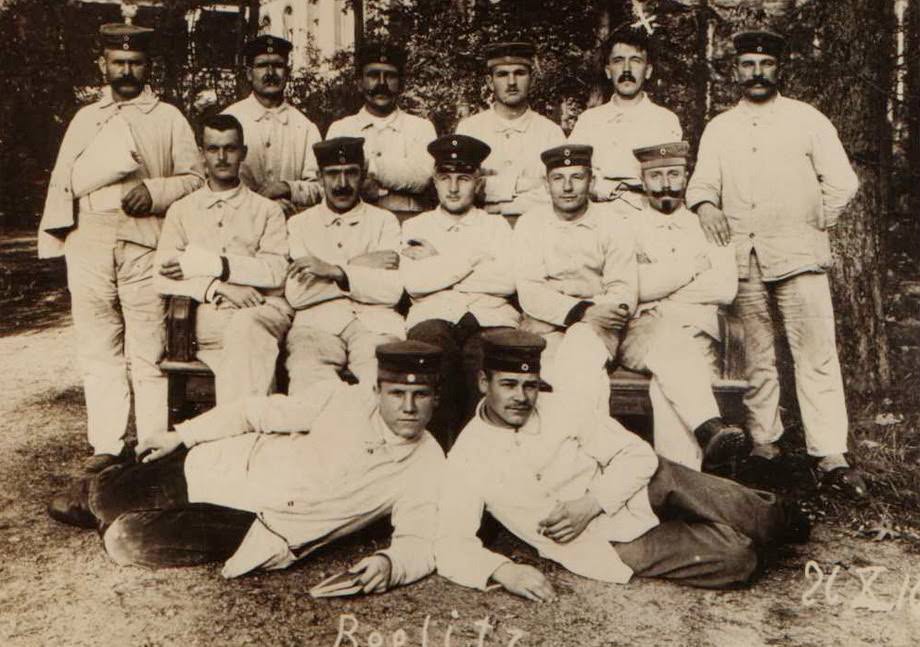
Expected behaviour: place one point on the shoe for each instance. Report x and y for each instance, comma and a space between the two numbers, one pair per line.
797, 523
98, 462
72, 506
722, 443
846, 480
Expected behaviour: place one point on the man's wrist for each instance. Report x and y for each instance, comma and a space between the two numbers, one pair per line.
695, 208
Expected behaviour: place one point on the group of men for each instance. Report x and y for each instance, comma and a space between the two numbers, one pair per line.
288, 241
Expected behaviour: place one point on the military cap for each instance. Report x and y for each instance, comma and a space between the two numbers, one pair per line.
266, 44
514, 351
116, 35
458, 153
567, 155
670, 154
339, 150
408, 362
517, 53
381, 52
759, 42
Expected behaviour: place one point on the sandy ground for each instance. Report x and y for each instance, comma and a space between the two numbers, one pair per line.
58, 588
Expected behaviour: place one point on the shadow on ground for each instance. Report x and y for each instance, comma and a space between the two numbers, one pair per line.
33, 291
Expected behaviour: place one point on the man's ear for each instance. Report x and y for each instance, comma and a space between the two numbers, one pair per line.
592, 183
249, 73
490, 82
483, 383
648, 71
101, 63
244, 150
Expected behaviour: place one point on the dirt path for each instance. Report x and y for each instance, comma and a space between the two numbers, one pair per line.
58, 588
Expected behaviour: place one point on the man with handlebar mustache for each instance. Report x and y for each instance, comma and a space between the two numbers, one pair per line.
395, 142
683, 279
629, 120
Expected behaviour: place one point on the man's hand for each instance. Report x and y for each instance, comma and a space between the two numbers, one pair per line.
382, 260
371, 189
701, 263
419, 248
276, 190
569, 519
714, 224
240, 296
138, 201
159, 444
525, 581
287, 207
373, 573
171, 269
310, 264
608, 316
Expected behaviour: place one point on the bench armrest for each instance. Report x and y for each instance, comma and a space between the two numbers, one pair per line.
732, 350
180, 329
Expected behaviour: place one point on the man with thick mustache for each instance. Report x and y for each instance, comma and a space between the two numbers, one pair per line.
399, 166
226, 247
459, 272
124, 160
588, 494
575, 267
513, 173
344, 280
264, 482
771, 180
683, 279
627, 121
280, 164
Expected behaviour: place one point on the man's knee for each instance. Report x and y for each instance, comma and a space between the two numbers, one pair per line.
434, 331
124, 540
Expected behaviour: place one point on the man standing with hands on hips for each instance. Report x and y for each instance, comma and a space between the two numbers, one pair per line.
771, 179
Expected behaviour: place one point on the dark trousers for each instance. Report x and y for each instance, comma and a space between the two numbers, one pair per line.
461, 344
712, 531
146, 519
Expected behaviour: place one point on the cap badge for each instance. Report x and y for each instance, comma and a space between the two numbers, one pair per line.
663, 151
410, 378
270, 49
567, 152
525, 367
453, 156
453, 142
568, 162
760, 48
383, 58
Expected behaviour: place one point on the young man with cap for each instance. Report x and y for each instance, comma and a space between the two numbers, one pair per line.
628, 120
683, 279
399, 167
123, 161
589, 495
226, 247
513, 173
265, 482
771, 179
458, 270
280, 164
344, 281
576, 276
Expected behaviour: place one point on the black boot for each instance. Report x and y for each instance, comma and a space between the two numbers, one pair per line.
722, 442
72, 506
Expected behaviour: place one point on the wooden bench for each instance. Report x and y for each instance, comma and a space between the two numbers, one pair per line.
191, 382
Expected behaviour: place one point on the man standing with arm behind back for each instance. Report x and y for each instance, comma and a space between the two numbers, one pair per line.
123, 161
280, 164
771, 179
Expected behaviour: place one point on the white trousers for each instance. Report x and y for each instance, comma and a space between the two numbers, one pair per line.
575, 365
804, 303
682, 361
119, 322
241, 346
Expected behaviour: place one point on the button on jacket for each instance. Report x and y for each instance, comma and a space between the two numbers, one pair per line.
782, 177
520, 475
614, 131
171, 167
447, 286
666, 247
315, 468
560, 263
514, 173
239, 224
396, 147
280, 148
372, 294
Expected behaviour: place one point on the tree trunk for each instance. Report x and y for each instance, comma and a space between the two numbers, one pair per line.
912, 56
859, 34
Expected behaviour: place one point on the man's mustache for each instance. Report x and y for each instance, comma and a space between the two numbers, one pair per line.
271, 78
758, 80
126, 80
668, 193
626, 76
344, 192
381, 92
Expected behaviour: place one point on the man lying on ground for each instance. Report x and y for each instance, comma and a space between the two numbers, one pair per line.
246, 483
588, 494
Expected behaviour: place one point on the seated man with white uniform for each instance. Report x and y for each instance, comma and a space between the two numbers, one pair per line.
343, 282
589, 495
265, 482
458, 270
226, 247
683, 279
